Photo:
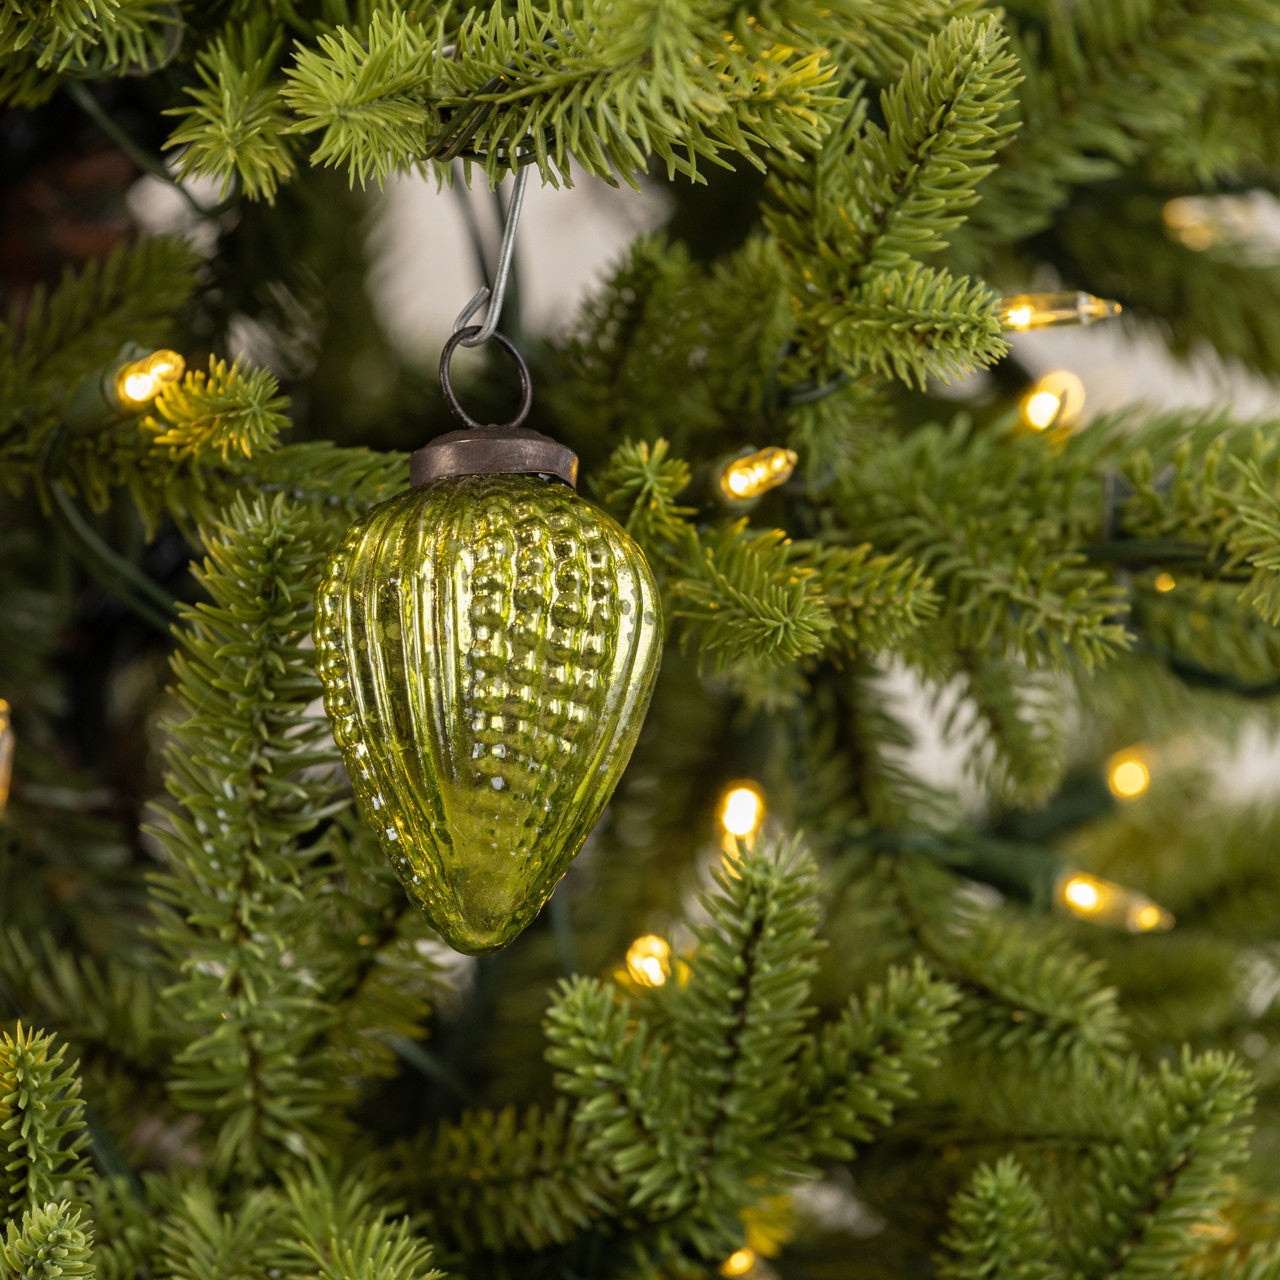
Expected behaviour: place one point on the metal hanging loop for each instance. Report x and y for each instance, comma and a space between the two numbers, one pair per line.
467, 338
488, 329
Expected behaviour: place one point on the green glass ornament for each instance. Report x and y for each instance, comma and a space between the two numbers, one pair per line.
488, 644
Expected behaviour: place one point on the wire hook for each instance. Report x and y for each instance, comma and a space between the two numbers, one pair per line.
486, 331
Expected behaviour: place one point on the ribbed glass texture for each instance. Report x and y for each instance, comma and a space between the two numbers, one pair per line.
488, 645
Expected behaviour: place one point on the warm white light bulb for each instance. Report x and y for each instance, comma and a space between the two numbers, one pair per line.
649, 960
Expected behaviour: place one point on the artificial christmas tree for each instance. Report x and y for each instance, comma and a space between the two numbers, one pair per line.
798, 1008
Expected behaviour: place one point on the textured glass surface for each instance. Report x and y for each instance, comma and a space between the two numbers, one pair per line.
488, 645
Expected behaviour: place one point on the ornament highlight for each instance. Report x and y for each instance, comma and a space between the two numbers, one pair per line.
488, 645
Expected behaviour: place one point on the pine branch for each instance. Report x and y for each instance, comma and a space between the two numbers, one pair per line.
640, 484
238, 769
345, 1230
742, 599
201, 1241
849, 1081
1000, 1228
632, 1109
912, 326
1151, 1189
629, 365
40, 43
40, 1130
48, 1243
735, 1028
492, 1181
998, 525
368, 94
234, 127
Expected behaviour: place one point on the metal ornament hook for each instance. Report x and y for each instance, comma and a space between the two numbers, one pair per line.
487, 330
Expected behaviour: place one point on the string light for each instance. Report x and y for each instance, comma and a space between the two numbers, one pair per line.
1022, 311
1165, 582
649, 960
739, 1262
1128, 775
742, 812
138, 383
757, 473
1104, 902
1056, 400
6, 752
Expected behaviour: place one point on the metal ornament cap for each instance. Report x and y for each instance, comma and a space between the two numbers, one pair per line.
493, 449
488, 645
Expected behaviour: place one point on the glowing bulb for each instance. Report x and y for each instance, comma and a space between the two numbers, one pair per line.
1080, 893
1165, 582
1127, 775
742, 810
1056, 400
1023, 311
1104, 902
138, 383
738, 1263
649, 960
757, 473
1041, 409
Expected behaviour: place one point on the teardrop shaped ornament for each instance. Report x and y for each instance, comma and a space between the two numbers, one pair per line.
488, 645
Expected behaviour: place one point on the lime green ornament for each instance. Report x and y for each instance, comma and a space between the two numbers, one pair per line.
488, 644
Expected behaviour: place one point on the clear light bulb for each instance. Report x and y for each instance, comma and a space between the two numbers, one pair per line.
1056, 400
1103, 902
1022, 311
138, 383
649, 960
1128, 774
739, 1262
757, 473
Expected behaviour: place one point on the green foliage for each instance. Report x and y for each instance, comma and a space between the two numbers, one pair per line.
234, 126
41, 42
236, 860
997, 525
41, 1133
687, 1104
900, 188
343, 1231
224, 411
253, 1059
641, 484
48, 1243
368, 92
924, 324
1001, 1229
1152, 1188
500, 1178
1103, 83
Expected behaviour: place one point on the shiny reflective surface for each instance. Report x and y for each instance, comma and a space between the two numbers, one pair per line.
488, 645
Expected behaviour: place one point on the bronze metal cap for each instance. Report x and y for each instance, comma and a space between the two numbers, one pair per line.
482, 450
